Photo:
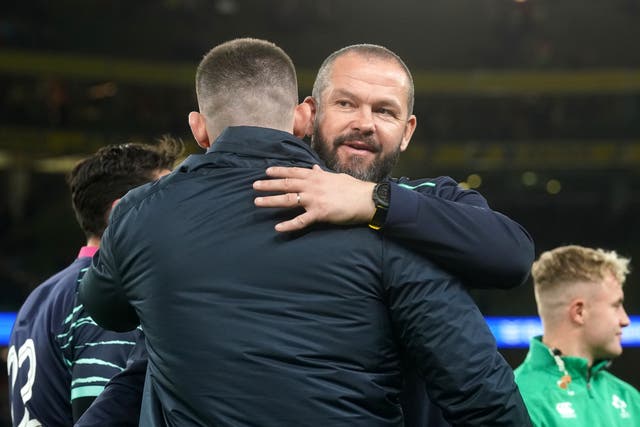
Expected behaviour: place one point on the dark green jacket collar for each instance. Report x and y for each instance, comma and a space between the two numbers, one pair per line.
541, 357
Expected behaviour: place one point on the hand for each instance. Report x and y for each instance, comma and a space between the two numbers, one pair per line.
336, 198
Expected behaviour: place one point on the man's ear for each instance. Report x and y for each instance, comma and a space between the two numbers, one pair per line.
108, 213
409, 128
114, 203
577, 311
198, 126
302, 122
310, 103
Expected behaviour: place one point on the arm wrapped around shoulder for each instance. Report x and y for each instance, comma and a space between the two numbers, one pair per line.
104, 298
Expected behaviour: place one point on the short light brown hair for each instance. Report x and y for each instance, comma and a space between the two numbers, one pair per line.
368, 51
247, 82
557, 271
577, 263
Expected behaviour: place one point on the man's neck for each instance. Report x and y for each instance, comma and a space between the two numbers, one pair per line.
568, 344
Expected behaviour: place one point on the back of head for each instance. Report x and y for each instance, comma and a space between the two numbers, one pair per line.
247, 82
367, 51
113, 170
562, 274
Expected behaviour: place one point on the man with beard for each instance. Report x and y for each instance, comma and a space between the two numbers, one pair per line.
362, 120
366, 143
359, 131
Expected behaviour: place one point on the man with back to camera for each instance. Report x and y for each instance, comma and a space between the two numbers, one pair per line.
59, 360
564, 381
316, 332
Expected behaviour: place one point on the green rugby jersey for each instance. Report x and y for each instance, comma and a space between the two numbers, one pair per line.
593, 397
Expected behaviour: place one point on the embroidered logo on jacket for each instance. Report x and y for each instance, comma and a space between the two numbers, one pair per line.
620, 405
565, 410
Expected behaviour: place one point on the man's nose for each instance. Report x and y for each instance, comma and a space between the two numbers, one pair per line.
625, 321
364, 120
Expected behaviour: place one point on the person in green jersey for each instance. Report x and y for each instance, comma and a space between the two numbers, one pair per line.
564, 379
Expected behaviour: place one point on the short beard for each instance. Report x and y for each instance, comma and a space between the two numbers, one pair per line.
379, 170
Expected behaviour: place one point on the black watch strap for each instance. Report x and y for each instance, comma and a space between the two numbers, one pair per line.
381, 197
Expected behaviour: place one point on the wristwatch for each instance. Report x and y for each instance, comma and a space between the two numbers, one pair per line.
381, 196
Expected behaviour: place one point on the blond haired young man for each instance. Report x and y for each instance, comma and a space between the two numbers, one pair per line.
563, 380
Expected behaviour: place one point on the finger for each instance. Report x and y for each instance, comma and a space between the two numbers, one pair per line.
289, 185
288, 200
287, 172
298, 223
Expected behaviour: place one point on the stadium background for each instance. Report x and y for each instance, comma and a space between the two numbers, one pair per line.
536, 103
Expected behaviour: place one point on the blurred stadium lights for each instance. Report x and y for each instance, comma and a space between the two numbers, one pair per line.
6, 323
5, 160
529, 178
516, 332
525, 156
103, 90
510, 332
553, 186
56, 164
51, 150
475, 82
226, 7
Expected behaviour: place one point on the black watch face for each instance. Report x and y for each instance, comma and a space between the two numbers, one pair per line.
382, 193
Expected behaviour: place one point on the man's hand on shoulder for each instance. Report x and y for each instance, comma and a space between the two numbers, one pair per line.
336, 198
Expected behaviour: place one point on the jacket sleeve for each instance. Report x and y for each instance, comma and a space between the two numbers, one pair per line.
119, 404
442, 331
101, 291
457, 229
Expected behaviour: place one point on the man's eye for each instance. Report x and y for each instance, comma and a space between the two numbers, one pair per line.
386, 112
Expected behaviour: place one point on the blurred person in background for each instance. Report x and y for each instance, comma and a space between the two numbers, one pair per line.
564, 379
433, 216
59, 360
307, 320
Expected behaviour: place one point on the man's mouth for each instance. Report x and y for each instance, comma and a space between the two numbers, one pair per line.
358, 147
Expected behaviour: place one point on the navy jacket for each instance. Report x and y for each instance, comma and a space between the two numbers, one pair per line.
457, 229
249, 327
